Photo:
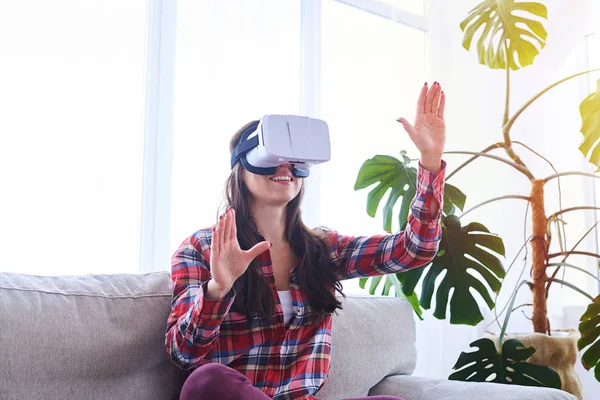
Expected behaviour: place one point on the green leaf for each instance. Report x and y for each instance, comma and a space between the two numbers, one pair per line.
501, 26
389, 173
509, 366
362, 282
413, 300
386, 287
399, 179
392, 280
465, 261
409, 279
453, 198
590, 116
374, 283
590, 336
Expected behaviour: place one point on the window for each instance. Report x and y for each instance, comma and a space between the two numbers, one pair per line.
236, 61
361, 112
412, 6
72, 101
367, 82
74, 107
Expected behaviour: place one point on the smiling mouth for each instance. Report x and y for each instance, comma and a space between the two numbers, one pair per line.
281, 179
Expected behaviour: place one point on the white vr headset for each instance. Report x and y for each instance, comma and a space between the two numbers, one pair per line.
283, 139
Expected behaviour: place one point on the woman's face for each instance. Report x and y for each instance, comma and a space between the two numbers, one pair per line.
278, 189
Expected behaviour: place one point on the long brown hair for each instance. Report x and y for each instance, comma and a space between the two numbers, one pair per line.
317, 273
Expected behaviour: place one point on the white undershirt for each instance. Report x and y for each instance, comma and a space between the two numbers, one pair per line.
285, 296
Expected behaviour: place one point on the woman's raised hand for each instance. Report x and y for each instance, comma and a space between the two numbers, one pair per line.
227, 260
429, 131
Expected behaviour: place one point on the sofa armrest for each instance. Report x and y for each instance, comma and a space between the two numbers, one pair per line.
419, 388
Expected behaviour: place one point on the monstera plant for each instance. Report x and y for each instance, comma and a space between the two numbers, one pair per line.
510, 36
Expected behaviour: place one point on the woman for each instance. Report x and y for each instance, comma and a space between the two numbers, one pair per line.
253, 296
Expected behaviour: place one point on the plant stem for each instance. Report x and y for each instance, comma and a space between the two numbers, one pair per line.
574, 267
572, 209
523, 247
572, 173
539, 247
507, 99
470, 160
507, 317
512, 120
513, 196
568, 253
506, 131
522, 305
562, 234
518, 167
572, 287
575, 253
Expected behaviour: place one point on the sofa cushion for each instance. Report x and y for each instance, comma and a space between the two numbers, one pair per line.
86, 337
418, 388
372, 337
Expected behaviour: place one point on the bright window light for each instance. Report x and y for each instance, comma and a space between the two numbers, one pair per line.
236, 61
72, 102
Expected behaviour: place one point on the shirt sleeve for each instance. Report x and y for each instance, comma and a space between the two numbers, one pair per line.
414, 247
194, 322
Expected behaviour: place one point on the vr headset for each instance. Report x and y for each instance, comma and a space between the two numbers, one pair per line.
283, 139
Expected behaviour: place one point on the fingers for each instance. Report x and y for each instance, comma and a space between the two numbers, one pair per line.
407, 126
431, 97
429, 100
256, 251
440, 112
227, 219
217, 238
233, 226
214, 247
422, 99
221, 229
436, 99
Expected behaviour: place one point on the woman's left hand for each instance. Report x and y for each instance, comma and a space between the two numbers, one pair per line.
429, 131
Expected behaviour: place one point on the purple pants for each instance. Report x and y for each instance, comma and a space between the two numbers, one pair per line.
217, 381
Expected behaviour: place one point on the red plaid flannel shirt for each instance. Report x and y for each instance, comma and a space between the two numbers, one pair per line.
286, 362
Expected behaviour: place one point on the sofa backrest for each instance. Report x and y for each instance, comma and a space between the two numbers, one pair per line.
86, 337
102, 337
372, 337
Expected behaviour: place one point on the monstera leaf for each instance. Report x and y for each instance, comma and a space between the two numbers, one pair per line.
390, 173
590, 333
463, 250
501, 27
590, 115
508, 366
392, 281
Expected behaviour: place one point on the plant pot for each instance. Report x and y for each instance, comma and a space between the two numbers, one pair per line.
558, 351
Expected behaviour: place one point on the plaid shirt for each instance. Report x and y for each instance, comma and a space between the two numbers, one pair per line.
286, 362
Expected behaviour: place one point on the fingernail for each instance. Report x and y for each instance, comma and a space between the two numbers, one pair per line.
425, 83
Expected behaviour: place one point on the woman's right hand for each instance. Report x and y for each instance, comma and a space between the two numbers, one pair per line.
227, 260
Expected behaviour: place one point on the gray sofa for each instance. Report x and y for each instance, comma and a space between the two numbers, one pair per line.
102, 337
